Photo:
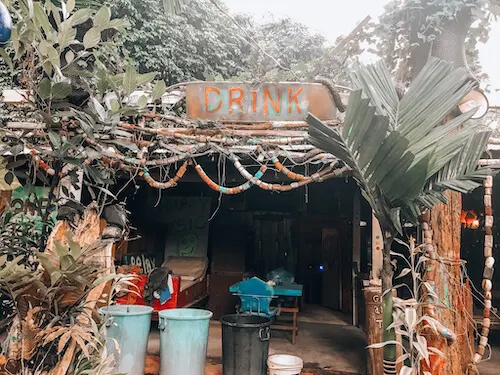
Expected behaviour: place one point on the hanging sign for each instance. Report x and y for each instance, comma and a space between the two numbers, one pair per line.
246, 102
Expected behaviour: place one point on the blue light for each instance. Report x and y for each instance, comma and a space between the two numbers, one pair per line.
321, 268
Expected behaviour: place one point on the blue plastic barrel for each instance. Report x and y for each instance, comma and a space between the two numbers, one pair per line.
183, 341
128, 328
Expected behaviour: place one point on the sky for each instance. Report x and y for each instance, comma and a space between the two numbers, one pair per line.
333, 18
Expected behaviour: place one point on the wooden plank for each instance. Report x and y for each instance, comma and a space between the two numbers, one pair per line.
247, 102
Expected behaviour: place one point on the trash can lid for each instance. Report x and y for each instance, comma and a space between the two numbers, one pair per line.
126, 310
245, 321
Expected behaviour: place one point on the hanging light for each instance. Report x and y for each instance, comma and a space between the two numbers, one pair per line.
475, 99
469, 219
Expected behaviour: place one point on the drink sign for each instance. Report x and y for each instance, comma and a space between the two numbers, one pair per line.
246, 102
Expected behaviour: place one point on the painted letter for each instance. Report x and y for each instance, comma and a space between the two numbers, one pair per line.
234, 100
208, 90
276, 105
254, 101
294, 98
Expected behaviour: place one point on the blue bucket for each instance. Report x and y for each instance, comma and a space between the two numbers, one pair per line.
183, 341
127, 330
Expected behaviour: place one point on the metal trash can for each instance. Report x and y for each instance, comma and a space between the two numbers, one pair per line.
245, 344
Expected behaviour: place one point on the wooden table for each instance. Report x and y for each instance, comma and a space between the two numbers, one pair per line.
294, 291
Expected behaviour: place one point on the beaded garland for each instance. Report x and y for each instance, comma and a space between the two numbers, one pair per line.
487, 284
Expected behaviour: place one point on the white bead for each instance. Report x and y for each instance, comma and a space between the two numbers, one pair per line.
486, 322
487, 200
488, 182
477, 358
488, 251
488, 222
483, 341
487, 304
490, 261
487, 285
488, 240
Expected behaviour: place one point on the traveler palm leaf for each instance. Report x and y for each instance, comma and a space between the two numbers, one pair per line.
405, 152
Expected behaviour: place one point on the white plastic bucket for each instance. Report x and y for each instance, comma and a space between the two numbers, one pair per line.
282, 364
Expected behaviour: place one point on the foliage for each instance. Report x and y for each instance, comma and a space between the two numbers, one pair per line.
391, 36
68, 60
187, 46
54, 322
411, 319
400, 151
20, 233
404, 152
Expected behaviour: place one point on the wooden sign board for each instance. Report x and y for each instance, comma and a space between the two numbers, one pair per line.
247, 102
187, 223
146, 261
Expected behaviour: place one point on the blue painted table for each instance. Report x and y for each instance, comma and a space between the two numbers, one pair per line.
294, 291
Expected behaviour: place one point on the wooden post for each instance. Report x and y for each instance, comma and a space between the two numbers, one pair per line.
373, 303
377, 252
446, 227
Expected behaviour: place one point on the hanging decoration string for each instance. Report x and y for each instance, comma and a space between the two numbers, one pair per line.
487, 285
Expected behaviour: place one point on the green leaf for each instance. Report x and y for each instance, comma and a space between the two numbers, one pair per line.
129, 80
41, 18
66, 34
55, 12
118, 24
91, 38
125, 144
159, 89
50, 52
55, 140
61, 90
44, 88
80, 16
143, 79
43, 47
70, 5
99, 109
115, 106
102, 17
69, 57
143, 101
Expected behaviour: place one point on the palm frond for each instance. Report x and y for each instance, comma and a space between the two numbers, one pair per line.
405, 152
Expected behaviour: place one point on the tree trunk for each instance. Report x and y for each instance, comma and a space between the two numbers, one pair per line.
453, 294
